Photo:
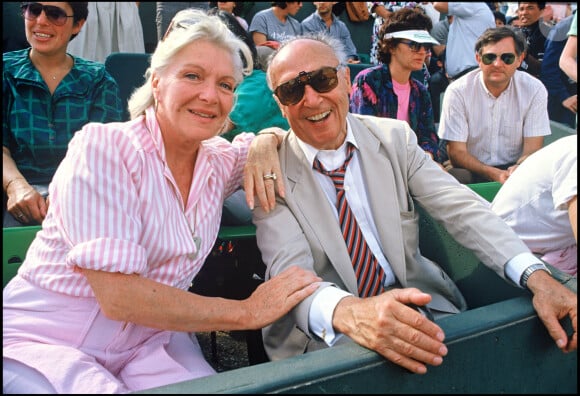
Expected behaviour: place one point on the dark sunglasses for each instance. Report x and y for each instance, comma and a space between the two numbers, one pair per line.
416, 47
55, 15
508, 58
321, 80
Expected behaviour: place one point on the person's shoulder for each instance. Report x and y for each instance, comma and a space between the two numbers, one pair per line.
92, 71
14, 59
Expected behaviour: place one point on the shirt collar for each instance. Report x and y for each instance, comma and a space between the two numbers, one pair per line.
329, 157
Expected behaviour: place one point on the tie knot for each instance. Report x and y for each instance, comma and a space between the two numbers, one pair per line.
338, 171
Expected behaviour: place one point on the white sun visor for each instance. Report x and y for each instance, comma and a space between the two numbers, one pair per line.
419, 36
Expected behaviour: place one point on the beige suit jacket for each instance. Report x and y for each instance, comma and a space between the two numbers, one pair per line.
302, 229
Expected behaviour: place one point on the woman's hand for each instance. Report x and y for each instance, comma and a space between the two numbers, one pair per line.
262, 173
278, 295
25, 203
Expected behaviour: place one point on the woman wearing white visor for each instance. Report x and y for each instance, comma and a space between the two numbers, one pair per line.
388, 90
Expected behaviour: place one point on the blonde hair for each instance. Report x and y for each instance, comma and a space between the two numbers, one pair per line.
188, 26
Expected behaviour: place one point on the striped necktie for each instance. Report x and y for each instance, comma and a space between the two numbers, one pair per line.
369, 274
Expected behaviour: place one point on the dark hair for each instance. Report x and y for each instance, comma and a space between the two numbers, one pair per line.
232, 23
500, 15
403, 19
279, 4
80, 12
494, 35
541, 6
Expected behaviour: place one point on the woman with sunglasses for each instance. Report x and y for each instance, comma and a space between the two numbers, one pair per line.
48, 95
388, 90
101, 303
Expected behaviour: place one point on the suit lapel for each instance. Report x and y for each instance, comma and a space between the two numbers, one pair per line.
379, 180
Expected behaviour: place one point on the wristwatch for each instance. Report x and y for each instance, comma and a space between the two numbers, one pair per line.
529, 271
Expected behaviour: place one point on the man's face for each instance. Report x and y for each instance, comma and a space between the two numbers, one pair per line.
498, 73
529, 13
323, 7
317, 118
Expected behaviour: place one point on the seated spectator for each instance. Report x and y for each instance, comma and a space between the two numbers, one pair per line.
48, 95
562, 91
535, 32
135, 213
276, 23
387, 90
350, 215
495, 116
539, 201
323, 20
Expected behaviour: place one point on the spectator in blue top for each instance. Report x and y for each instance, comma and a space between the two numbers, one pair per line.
323, 20
276, 23
388, 90
47, 96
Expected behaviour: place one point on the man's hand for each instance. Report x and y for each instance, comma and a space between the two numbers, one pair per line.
553, 302
388, 325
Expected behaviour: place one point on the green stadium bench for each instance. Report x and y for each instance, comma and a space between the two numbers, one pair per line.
15, 243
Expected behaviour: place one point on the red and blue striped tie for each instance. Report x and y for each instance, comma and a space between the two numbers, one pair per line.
369, 274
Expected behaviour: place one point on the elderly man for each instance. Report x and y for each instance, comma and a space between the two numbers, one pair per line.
348, 213
495, 116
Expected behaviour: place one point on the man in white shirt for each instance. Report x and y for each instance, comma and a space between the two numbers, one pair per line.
495, 116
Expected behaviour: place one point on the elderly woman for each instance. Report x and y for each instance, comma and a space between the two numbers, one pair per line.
101, 303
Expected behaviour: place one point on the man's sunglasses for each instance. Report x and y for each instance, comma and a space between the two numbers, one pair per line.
508, 58
321, 80
55, 15
416, 47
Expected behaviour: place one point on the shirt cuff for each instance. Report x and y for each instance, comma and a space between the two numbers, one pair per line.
516, 266
321, 312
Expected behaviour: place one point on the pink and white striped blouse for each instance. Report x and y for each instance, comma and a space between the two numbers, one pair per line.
115, 206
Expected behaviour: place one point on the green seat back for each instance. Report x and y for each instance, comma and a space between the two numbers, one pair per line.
128, 70
559, 130
487, 190
15, 242
479, 285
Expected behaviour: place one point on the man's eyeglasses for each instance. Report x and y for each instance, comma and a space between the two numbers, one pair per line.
55, 15
508, 58
416, 47
321, 80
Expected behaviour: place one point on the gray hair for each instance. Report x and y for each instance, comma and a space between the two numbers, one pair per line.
334, 44
186, 27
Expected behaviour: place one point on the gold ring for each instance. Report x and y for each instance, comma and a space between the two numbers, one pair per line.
21, 215
270, 176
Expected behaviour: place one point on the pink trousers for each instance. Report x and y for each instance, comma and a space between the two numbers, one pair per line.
68, 341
